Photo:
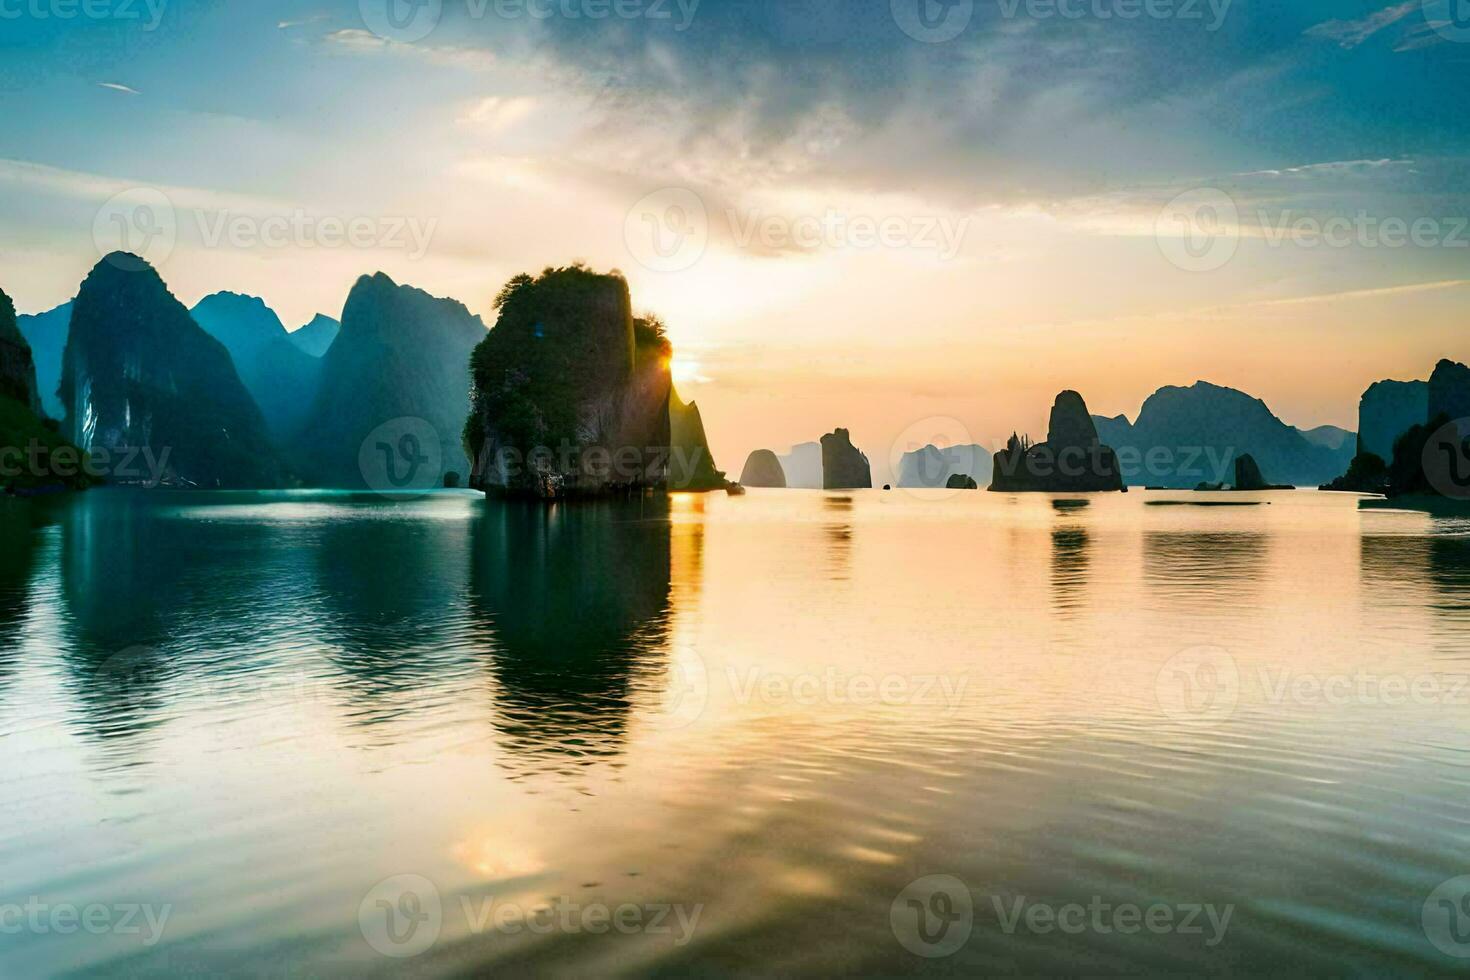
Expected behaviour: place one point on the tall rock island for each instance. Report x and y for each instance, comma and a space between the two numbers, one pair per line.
401, 361
1071, 460
844, 467
138, 373
27, 438
691, 464
571, 396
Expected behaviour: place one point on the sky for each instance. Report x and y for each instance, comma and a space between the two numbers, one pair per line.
916, 219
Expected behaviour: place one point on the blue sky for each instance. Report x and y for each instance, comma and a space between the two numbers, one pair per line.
1052, 136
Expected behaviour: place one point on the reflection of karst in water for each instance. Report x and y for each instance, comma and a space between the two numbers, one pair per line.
837, 530
386, 605
1070, 559
18, 539
575, 601
1205, 568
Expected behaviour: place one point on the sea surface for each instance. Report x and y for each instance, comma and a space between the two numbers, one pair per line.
796, 733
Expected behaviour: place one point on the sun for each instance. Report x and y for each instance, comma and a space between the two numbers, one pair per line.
684, 369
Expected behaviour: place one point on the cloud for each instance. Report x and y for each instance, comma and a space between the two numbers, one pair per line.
358, 41
1351, 33
114, 86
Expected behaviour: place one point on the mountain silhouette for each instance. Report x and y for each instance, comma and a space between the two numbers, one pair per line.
138, 372
279, 375
1185, 436
691, 464
401, 355
844, 467
763, 469
316, 337
803, 466
1072, 459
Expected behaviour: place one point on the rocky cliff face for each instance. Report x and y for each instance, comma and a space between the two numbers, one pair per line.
571, 397
399, 369
279, 376
316, 337
763, 469
46, 333
139, 374
17, 368
1195, 433
844, 467
1449, 394
1386, 411
1071, 460
932, 466
691, 464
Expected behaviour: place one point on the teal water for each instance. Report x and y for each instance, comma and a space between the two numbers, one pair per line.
317, 734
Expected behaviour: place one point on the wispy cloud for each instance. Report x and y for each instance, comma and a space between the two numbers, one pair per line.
114, 86
358, 41
1351, 33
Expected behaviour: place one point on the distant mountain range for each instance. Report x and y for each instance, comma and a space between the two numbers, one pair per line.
280, 376
1186, 436
933, 466
803, 466
46, 333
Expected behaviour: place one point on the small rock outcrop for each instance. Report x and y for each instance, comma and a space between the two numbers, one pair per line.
961, 481
140, 376
570, 394
1248, 475
763, 469
844, 467
1071, 460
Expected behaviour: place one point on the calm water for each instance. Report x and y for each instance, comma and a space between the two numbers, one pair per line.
729, 735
